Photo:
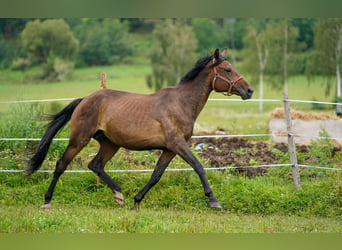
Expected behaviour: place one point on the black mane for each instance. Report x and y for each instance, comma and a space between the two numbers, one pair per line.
199, 66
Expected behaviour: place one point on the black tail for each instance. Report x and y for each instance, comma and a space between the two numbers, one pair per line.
58, 121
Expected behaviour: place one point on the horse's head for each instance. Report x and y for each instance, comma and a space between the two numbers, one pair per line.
226, 79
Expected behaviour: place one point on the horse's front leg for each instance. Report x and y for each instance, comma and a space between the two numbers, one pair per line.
183, 150
162, 164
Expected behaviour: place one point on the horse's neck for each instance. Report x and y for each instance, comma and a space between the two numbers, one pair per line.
196, 94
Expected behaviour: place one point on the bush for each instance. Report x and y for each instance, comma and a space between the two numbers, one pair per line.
24, 121
103, 42
42, 39
44, 42
21, 64
63, 69
319, 154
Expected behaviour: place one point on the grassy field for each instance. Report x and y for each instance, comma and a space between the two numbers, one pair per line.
177, 204
114, 220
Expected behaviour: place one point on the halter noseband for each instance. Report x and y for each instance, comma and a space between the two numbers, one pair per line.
230, 82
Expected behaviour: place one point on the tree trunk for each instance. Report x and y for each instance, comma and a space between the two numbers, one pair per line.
262, 64
337, 59
261, 82
285, 55
338, 80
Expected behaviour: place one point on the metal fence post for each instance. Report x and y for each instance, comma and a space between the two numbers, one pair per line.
291, 143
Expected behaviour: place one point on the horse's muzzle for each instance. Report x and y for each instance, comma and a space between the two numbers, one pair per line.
247, 94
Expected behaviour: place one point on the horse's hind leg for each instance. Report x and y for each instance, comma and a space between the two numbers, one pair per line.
72, 150
106, 152
162, 164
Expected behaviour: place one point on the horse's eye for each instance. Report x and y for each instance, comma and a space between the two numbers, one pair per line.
229, 70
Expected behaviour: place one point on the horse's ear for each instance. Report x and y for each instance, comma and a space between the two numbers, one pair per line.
217, 54
224, 52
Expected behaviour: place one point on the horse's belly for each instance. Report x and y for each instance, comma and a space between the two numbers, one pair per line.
136, 136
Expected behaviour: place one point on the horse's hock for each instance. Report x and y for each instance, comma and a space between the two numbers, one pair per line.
305, 126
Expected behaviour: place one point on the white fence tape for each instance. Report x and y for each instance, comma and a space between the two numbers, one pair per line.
31, 139
309, 166
210, 99
172, 169
194, 136
228, 136
274, 100
148, 170
44, 100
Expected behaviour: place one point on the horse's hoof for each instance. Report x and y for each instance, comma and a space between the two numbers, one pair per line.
46, 206
136, 207
215, 204
119, 198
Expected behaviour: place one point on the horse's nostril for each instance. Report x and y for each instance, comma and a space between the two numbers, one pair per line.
250, 91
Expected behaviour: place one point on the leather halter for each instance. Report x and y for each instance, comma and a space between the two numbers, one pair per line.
230, 82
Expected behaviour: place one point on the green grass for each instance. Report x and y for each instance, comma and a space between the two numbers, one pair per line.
165, 220
175, 204
85, 81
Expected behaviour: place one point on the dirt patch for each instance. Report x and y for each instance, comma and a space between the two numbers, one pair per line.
242, 153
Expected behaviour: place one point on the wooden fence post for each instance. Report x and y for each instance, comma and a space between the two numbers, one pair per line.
103, 82
291, 143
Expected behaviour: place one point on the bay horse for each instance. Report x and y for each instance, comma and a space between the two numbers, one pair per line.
163, 120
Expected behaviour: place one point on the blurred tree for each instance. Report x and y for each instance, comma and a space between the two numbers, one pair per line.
10, 46
41, 40
139, 25
7, 52
11, 27
45, 41
258, 39
232, 34
103, 41
173, 53
270, 43
327, 58
305, 28
207, 34
283, 36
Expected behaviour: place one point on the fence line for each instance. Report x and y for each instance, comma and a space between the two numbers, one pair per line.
172, 169
150, 170
210, 99
194, 137
228, 136
199, 137
274, 100
43, 100
31, 139
318, 167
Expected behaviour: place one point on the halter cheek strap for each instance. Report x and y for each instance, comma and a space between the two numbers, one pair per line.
230, 82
